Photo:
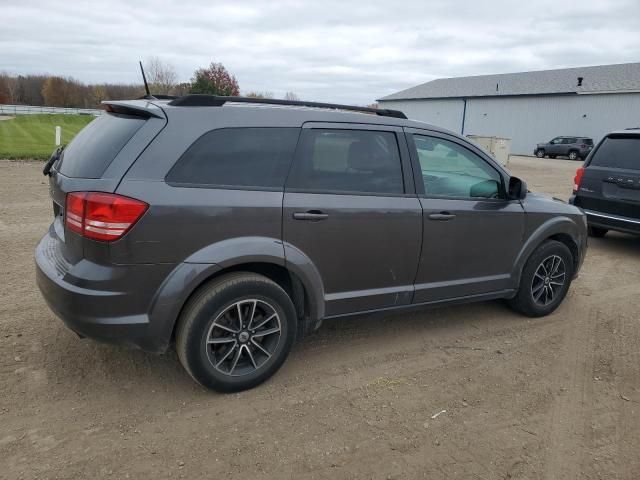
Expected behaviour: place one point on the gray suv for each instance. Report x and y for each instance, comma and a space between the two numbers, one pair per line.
232, 226
575, 148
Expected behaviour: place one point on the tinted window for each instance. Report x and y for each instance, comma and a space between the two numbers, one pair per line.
587, 141
618, 152
358, 161
451, 170
238, 157
570, 140
95, 147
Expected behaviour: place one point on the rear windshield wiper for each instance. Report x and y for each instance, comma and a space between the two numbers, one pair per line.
55, 156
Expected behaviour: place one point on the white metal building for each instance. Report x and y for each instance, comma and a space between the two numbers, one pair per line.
529, 107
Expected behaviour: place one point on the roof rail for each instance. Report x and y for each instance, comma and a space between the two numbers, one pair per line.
198, 100
158, 97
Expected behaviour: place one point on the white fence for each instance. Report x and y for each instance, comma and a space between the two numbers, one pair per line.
31, 110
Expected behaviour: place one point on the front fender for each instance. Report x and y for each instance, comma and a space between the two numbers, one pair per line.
552, 226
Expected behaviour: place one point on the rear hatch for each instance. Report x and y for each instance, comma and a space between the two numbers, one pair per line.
611, 180
95, 161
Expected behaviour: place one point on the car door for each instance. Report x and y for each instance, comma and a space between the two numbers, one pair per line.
555, 146
350, 207
471, 232
568, 144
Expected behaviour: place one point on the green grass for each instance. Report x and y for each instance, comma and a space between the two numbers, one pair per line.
33, 136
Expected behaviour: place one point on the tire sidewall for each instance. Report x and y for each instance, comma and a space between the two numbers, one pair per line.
542, 253
540, 153
196, 355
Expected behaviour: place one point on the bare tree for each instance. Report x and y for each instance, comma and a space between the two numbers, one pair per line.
162, 77
291, 96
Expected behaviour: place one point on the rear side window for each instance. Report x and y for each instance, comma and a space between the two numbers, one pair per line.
618, 152
347, 161
587, 141
94, 148
237, 157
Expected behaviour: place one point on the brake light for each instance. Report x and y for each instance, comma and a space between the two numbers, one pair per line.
578, 179
102, 216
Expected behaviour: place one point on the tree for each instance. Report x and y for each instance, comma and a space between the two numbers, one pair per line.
259, 95
64, 92
215, 80
291, 96
5, 95
161, 76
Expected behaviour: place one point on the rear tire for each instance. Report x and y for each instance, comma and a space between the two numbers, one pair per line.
236, 332
545, 280
540, 153
573, 155
597, 232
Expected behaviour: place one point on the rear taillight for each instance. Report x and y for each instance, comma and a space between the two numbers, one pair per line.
102, 216
578, 179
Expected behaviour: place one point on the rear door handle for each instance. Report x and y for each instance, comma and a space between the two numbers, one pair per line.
442, 216
310, 216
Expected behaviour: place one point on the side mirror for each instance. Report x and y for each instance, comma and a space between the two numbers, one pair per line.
517, 189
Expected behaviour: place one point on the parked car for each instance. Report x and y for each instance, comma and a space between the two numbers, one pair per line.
607, 186
234, 226
576, 148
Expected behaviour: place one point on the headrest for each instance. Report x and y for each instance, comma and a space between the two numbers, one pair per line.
362, 156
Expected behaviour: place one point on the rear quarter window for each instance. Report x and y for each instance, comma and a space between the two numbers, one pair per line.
94, 148
237, 158
618, 152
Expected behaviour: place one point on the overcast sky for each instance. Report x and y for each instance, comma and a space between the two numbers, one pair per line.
325, 50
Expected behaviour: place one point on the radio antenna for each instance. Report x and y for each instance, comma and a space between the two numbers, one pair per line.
146, 85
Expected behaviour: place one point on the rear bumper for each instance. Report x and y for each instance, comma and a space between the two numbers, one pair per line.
613, 222
107, 303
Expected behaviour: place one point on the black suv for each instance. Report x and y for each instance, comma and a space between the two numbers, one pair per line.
232, 226
607, 186
575, 148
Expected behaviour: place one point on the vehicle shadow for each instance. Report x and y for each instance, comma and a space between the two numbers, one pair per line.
88, 367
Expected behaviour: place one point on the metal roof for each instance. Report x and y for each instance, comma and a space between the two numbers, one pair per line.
623, 77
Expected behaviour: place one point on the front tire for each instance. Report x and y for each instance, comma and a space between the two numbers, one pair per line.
545, 280
540, 153
236, 332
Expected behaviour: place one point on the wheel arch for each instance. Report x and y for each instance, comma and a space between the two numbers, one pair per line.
265, 256
561, 229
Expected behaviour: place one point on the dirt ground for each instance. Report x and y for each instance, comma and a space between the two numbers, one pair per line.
553, 398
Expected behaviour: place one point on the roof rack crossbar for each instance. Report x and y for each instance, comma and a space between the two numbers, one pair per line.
199, 100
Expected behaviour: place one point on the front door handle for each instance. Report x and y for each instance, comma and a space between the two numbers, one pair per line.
310, 216
442, 216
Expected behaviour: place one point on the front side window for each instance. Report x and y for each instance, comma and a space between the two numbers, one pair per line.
347, 161
238, 157
451, 170
556, 141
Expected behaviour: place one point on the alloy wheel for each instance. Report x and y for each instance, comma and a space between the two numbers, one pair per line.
548, 280
243, 337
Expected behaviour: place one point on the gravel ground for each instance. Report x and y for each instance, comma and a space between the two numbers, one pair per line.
471, 391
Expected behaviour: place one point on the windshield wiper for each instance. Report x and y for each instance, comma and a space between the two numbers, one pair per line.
55, 156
